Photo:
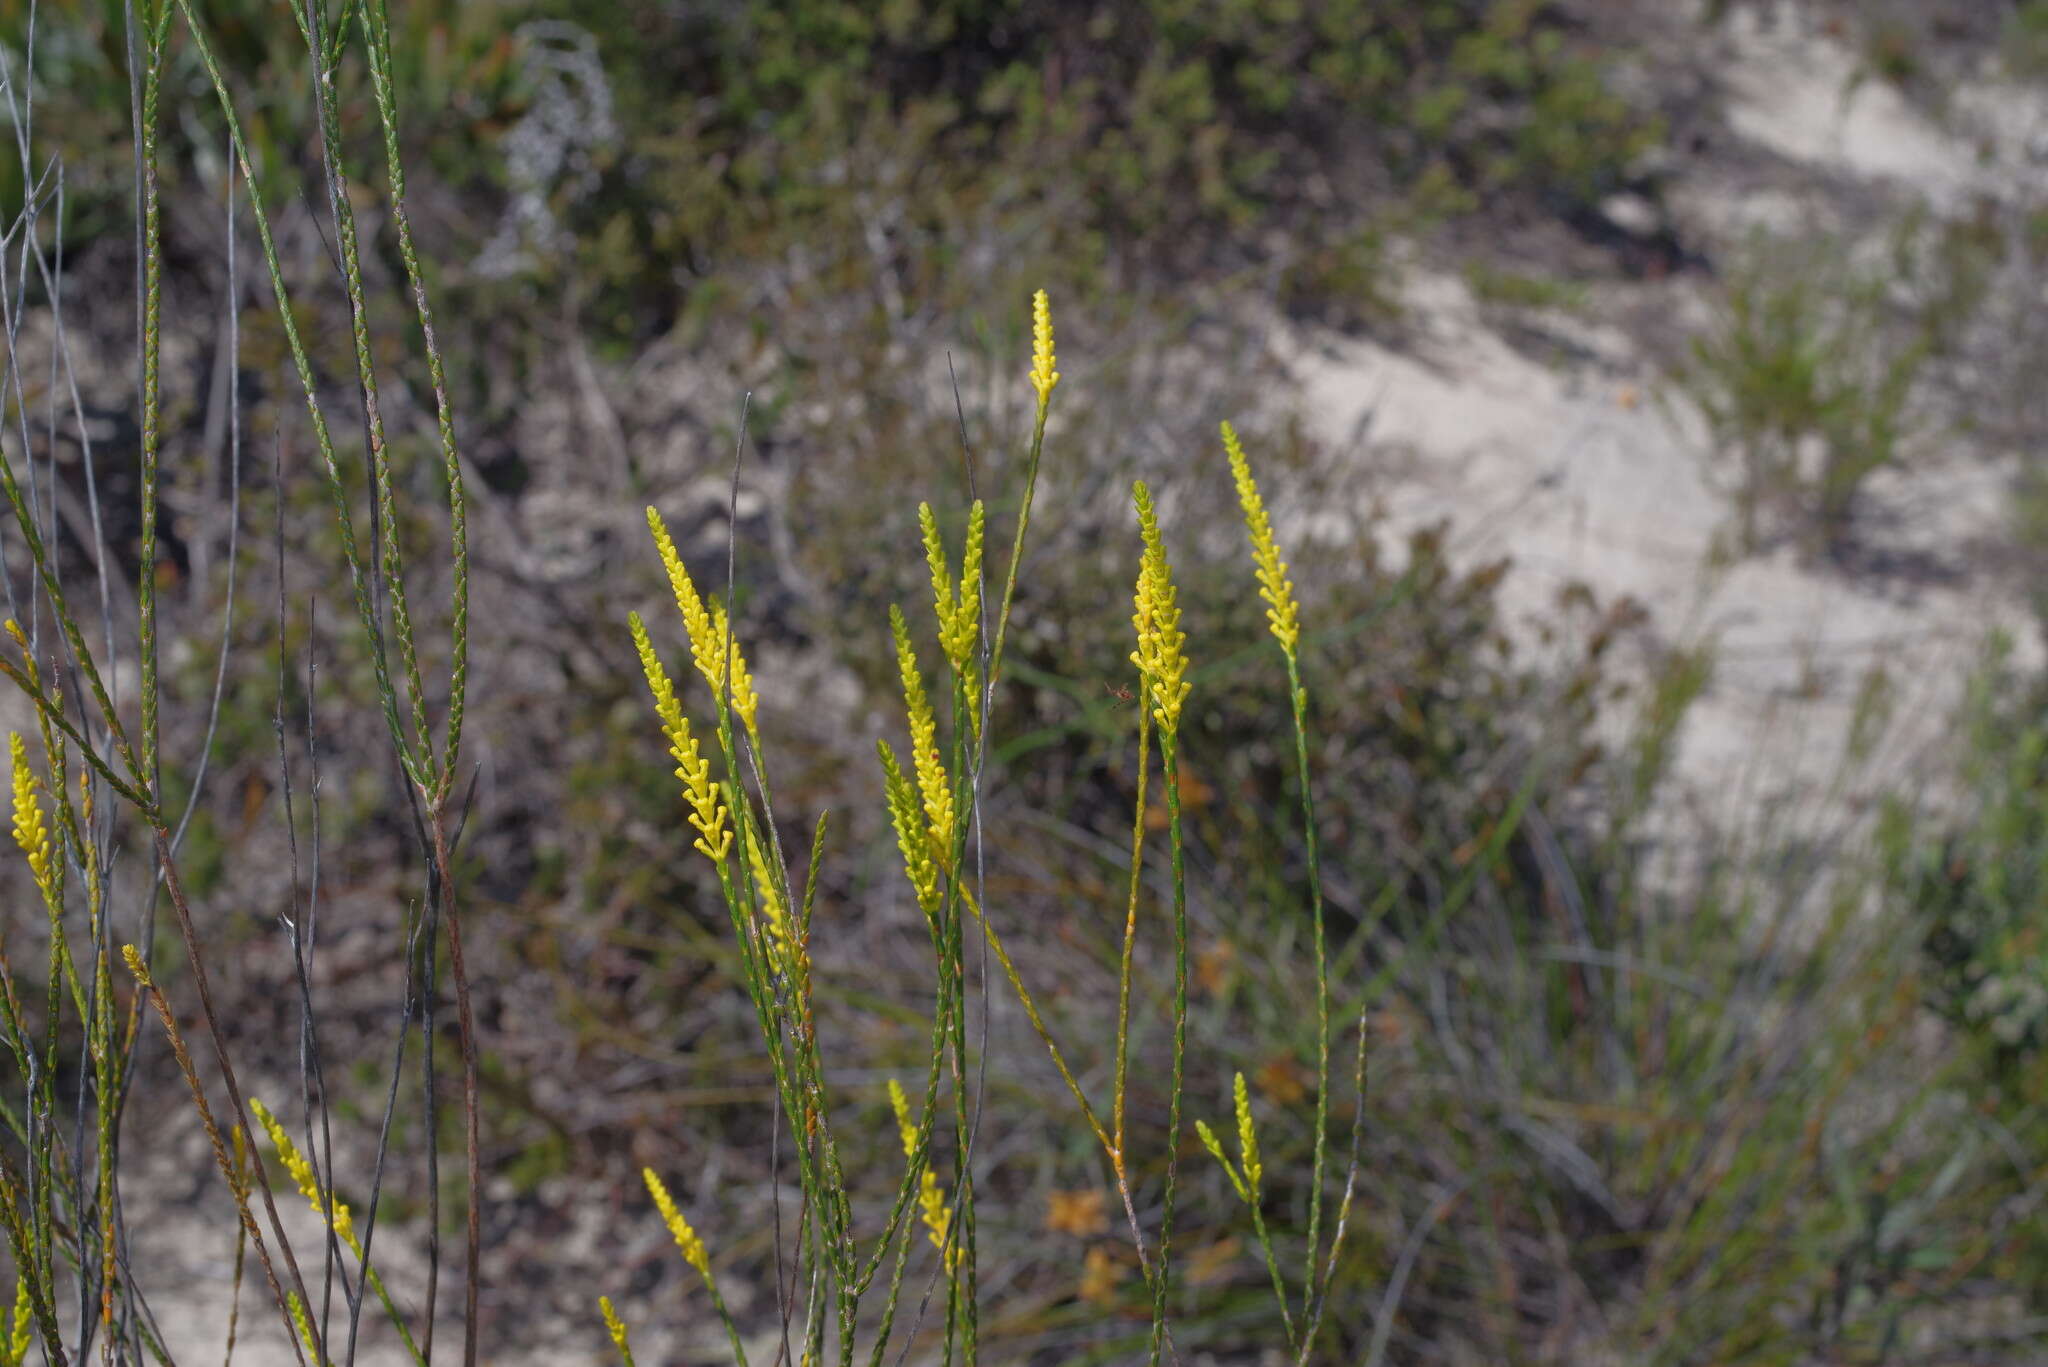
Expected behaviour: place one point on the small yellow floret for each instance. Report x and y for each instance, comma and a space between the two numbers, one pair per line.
707, 810
932, 784
1160, 657
617, 1329
958, 603
774, 916
21, 1329
707, 628
1043, 376
133, 958
301, 1170
30, 830
931, 1200
744, 700
303, 1325
1281, 610
685, 1237
1215, 1148
911, 837
1247, 1137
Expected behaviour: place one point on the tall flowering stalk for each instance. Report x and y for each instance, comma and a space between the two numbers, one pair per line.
1283, 619
1161, 658
332, 1212
931, 796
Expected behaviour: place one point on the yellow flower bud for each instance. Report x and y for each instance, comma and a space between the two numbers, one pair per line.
1043, 376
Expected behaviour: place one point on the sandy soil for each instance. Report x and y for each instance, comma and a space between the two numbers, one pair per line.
1593, 470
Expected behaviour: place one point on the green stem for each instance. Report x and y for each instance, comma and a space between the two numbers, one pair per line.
995, 660
1272, 1265
1169, 746
1298, 698
302, 365
377, 34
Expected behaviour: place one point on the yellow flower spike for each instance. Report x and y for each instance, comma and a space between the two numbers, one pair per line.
935, 558
932, 783
900, 1104
706, 627
1160, 657
957, 603
685, 1237
696, 620
1043, 376
617, 1329
31, 831
133, 958
707, 810
303, 1325
931, 1200
21, 1330
1215, 1148
658, 683
774, 916
1247, 1137
911, 837
301, 1171
1282, 612
967, 616
744, 700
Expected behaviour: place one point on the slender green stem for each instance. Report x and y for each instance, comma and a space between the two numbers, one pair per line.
1123, 983
1298, 699
376, 21
420, 747
1059, 1059
1169, 746
31, 1264
1117, 1149
995, 659
158, 16
337, 488
1316, 1298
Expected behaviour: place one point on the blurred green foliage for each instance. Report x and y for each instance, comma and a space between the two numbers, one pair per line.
1976, 878
456, 73
1804, 383
1110, 129
2026, 39
1133, 119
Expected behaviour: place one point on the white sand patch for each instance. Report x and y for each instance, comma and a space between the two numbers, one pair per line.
1803, 94
1580, 475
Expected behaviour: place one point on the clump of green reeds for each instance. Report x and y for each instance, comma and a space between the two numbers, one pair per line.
934, 806
62, 1211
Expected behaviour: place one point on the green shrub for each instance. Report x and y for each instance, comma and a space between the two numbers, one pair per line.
1804, 382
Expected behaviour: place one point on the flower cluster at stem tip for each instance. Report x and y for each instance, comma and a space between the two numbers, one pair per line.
931, 1200
1282, 612
685, 1237
957, 602
31, 831
301, 1171
1043, 376
912, 837
932, 783
707, 810
709, 630
1161, 656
